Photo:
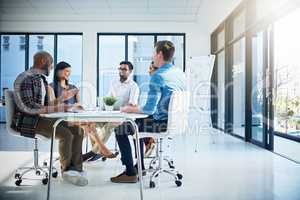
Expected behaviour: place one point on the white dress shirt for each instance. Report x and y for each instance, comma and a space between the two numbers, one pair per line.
126, 92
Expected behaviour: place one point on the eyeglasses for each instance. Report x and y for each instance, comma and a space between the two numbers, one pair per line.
122, 69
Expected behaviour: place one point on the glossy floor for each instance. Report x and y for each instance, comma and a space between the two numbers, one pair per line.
228, 169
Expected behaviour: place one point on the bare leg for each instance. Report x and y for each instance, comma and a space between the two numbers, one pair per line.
92, 132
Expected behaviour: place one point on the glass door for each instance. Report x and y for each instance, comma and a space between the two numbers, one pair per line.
258, 94
261, 92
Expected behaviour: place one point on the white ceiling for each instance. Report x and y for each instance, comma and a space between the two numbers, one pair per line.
135, 10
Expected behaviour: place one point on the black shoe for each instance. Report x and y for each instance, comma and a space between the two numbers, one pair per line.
95, 158
88, 155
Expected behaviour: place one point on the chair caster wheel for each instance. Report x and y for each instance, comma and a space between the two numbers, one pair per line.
152, 184
178, 183
103, 159
45, 164
45, 181
18, 182
54, 174
179, 176
17, 176
38, 173
171, 167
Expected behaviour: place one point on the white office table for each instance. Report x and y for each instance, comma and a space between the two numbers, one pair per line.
97, 116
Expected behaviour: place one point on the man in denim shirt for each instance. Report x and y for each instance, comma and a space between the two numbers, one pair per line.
166, 79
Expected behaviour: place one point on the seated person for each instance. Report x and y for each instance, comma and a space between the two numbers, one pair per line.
127, 93
32, 99
163, 82
59, 86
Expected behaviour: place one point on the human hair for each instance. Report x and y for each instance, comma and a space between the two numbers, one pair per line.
59, 66
167, 48
129, 64
38, 56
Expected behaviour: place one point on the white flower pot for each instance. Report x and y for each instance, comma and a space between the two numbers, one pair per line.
108, 108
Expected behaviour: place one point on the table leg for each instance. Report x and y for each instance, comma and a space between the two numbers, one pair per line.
51, 156
138, 153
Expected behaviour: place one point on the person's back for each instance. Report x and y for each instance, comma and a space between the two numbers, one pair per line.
167, 78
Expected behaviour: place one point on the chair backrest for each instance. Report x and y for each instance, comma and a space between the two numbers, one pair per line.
178, 112
10, 110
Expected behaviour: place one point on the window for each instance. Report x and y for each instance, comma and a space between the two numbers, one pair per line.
136, 48
140, 51
287, 75
111, 53
22, 43
38, 43
5, 42
221, 89
12, 63
257, 86
238, 82
221, 40
69, 49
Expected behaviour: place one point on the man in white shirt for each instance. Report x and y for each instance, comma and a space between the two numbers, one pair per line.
125, 90
127, 93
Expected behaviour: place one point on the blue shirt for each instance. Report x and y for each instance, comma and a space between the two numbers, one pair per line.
162, 83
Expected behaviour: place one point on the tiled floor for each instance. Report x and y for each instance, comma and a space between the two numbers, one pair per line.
229, 169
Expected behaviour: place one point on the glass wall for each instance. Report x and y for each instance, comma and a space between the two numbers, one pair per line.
69, 49
257, 86
221, 89
287, 75
239, 83
12, 62
262, 73
40, 43
140, 51
136, 48
111, 53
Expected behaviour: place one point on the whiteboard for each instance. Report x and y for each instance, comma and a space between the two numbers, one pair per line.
199, 72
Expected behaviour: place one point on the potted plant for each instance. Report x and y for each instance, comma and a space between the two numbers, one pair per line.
109, 102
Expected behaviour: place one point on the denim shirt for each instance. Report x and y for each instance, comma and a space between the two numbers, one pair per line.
162, 83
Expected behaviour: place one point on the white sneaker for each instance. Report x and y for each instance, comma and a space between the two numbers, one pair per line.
75, 178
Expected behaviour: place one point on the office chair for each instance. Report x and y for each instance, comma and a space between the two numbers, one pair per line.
20, 172
177, 124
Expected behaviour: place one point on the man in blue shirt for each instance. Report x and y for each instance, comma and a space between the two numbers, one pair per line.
166, 79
